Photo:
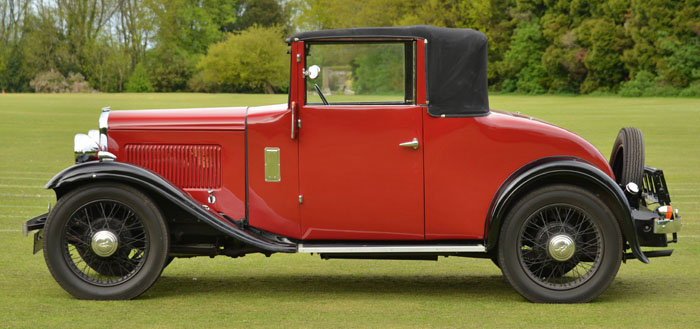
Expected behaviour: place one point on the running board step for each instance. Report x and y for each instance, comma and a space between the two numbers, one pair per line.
377, 249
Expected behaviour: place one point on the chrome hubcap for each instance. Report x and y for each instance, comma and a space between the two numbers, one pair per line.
561, 247
104, 243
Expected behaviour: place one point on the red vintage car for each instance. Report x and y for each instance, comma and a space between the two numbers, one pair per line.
395, 155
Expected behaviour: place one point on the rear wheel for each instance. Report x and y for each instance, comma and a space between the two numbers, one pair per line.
560, 244
105, 241
627, 157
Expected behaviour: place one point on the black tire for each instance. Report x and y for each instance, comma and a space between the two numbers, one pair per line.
494, 260
528, 242
124, 272
627, 157
168, 261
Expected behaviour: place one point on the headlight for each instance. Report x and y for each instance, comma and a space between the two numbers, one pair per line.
93, 145
86, 147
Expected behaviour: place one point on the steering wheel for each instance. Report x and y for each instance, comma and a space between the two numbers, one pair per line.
323, 98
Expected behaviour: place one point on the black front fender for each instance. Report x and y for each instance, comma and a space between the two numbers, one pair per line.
560, 170
89, 172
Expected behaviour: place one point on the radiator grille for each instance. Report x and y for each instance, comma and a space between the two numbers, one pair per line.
186, 166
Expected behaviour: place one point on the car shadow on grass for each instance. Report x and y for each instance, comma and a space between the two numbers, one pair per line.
335, 284
353, 285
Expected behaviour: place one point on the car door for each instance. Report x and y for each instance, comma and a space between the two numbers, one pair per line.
360, 155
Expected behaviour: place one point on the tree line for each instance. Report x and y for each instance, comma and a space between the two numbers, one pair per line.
630, 47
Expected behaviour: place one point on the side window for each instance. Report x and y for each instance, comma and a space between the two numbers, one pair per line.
360, 73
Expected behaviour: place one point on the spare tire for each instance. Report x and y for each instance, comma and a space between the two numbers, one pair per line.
627, 157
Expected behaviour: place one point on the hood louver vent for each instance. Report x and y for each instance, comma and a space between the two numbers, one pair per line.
186, 166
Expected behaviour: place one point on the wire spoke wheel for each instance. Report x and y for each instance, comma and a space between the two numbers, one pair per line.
125, 232
105, 241
560, 247
560, 244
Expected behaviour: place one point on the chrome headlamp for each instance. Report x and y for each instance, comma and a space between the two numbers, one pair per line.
93, 146
85, 147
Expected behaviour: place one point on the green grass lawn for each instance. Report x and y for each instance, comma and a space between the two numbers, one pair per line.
36, 137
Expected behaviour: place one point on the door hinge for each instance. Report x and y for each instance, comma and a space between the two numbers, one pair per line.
294, 119
301, 199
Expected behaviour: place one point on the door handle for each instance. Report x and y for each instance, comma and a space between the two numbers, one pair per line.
413, 144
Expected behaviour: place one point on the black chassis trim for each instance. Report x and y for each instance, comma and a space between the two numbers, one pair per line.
90, 172
36, 223
564, 169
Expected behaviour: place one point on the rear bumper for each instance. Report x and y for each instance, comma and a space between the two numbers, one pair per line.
654, 217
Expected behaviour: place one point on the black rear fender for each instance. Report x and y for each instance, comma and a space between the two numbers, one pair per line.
561, 170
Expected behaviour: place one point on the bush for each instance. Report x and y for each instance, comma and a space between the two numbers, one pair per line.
639, 86
77, 84
692, 91
49, 82
54, 82
253, 60
138, 81
170, 68
662, 90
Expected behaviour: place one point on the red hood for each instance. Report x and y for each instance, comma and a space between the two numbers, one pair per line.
221, 118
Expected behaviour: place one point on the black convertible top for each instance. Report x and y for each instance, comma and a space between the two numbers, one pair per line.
457, 80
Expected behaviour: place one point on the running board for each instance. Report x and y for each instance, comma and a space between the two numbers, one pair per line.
384, 249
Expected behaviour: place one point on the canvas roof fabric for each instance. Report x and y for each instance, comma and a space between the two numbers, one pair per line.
456, 64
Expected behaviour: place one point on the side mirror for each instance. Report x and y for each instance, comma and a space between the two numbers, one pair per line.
312, 72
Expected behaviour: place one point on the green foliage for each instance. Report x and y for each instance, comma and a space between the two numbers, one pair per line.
602, 61
327, 14
191, 25
642, 83
692, 91
170, 68
648, 19
379, 70
522, 65
254, 60
266, 13
138, 81
646, 84
568, 46
682, 65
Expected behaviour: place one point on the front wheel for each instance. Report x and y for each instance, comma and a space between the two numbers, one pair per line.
105, 241
560, 244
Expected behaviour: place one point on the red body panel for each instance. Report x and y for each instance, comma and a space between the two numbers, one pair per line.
273, 206
186, 144
357, 182
467, 160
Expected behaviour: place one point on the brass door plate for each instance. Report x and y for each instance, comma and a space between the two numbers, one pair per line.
272, 164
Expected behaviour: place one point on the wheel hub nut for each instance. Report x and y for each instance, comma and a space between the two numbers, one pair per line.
561, 247
104, 243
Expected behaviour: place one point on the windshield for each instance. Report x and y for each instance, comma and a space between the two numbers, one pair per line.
361, 73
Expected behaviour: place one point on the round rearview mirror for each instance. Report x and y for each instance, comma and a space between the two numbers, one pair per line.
313, 72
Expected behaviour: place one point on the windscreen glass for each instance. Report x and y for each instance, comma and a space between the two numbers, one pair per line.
364, 73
